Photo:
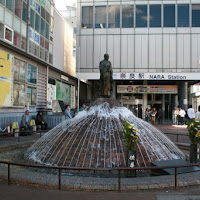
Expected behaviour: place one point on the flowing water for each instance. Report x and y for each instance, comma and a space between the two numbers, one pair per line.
93, 139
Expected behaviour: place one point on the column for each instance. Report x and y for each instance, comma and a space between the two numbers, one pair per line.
182, 94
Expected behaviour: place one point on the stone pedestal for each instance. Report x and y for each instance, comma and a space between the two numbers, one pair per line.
131, 162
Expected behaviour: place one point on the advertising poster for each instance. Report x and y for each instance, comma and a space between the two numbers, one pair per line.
5, 79
149, 89
51, 95
63, 92
22, 71
73, 105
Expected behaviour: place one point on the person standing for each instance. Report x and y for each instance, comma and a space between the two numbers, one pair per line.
160, 116
182, 116
153, 116
147, 115
191, 113
67, 112
197, 114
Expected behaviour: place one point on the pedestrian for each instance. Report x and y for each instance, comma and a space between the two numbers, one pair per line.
182, 116
160, 116
153, 116
67, 112
25, 123
177, 115
197, 114
147, 115
39, 121
174, 116
191, 113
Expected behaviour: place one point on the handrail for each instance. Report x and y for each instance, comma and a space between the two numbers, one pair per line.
177, 135
59, 168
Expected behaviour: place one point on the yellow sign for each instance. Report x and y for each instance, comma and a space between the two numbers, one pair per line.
5, 79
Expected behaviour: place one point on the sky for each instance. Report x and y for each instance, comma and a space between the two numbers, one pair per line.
60, 4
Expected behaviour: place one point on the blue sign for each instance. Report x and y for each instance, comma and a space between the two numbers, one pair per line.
37, 8
37, 38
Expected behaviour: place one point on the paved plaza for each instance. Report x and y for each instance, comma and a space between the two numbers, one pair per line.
160, 188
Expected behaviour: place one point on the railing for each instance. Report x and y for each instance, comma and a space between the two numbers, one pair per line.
177, 137
97, 169
19, 132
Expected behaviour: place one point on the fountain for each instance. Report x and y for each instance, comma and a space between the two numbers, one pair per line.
93, 139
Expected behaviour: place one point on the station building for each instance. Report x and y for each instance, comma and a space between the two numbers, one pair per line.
154, 48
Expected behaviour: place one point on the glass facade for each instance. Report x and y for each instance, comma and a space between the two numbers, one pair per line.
127, 16
159, 16
141, 16
100, 17
169, 15
113, 17
183, 15
155, 16
196, 15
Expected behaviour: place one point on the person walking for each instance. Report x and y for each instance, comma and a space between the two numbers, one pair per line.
67, 112
191, 113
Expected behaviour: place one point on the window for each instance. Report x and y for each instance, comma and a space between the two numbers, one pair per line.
169, 15
47, 17
32, 74
196, 15
100, 17
18, 94
42, 12
37, 22
37, 50
10, 5
41, 41
24, 12
47, 57
46, 45
47, 31
155, 16
31, 95
8, 34
1, 30
17, 38
87, 17
42, 53
42, 27
32, 18
23, 43
183, 15
2, 2
18, 8
127, 16
141, 16
114, 17
31, 47
50, 58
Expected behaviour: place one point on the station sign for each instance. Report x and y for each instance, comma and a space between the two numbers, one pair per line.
148, 89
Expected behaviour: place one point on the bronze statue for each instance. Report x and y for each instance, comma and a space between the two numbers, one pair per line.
106, 76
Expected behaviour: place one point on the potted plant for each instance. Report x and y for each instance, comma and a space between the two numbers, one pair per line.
194, 135
131, 138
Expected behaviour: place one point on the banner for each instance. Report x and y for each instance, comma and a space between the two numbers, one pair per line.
51, 95
63, 92
149, 89
5, 79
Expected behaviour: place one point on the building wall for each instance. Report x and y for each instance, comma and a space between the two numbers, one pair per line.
139, 49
